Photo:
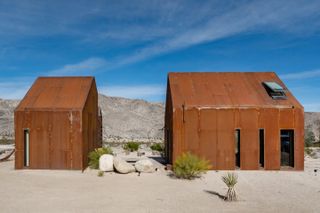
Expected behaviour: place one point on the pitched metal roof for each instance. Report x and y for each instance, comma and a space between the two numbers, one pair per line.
57, 93
226, 89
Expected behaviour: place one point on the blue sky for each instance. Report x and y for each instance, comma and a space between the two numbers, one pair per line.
130, 46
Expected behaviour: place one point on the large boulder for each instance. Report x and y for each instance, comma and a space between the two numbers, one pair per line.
122, 166
144, 165
106, 163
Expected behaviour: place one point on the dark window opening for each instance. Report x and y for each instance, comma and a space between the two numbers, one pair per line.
287, 148
237, 147
26, 147
274, 90
261, 141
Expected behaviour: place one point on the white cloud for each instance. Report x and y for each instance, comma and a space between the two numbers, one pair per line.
257, 15
137, 92
86, 67
301, 75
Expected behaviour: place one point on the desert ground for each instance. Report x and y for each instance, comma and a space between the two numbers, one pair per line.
74, 191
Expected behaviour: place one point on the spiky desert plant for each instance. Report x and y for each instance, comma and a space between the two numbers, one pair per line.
230, 179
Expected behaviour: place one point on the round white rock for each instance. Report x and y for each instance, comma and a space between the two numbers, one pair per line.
106, 163
144, 165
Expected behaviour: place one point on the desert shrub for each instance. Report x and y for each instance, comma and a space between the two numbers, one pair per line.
131, 146
100, 173
157, 147
309, 151
230, 179
96, 154
189, 166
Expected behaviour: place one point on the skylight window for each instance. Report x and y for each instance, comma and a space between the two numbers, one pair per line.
274, 90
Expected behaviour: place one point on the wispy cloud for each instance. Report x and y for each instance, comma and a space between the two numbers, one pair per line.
257, 15
301, 75
150, 92
86, 67
15, 88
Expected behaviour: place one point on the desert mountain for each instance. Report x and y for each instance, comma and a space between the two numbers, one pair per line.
123, 119
128, 119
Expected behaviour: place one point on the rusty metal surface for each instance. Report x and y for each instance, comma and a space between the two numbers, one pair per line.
60, 137
226, 89
57, 93
207, 128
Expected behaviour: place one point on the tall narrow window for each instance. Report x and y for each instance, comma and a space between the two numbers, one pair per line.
287, 148
26, 148
261, 145
237, 147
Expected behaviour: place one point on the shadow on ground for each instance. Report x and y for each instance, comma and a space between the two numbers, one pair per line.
222, 197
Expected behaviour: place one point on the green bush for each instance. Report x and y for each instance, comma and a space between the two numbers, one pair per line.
309, 151
96, 154
189, 166
131, 146
157, 147
100, 173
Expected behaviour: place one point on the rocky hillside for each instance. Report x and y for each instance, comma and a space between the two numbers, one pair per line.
312, 122
126, 119
123, 119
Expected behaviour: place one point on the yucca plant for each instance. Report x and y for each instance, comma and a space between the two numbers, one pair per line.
230, 179
189, 166
95, 155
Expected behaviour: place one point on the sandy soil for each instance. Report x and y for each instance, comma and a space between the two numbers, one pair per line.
73, 191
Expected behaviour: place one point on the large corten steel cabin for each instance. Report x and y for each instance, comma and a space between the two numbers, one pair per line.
246, 120
57, 123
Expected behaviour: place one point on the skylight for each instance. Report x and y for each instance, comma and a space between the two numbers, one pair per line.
274, 90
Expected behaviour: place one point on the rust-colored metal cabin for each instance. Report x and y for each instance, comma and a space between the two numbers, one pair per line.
246, 120
57, 123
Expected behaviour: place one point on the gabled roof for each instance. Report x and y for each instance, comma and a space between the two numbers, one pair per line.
226, 90
57, 93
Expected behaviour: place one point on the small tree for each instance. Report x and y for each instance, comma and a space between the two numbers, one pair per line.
230, 179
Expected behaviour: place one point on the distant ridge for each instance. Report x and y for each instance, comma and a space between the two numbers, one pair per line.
128, 119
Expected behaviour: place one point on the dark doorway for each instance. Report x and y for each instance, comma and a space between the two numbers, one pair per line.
237, 147
26, 147
261, 145
287, 148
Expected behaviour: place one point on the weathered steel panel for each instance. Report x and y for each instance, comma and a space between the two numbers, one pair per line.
207, 108
208, 136
53, 111
249, 139
299, 139
225, 141
191, 125
57, 93
286, 119
272, 138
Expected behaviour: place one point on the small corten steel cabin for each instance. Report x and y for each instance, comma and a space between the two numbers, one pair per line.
235, 120
57, 123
